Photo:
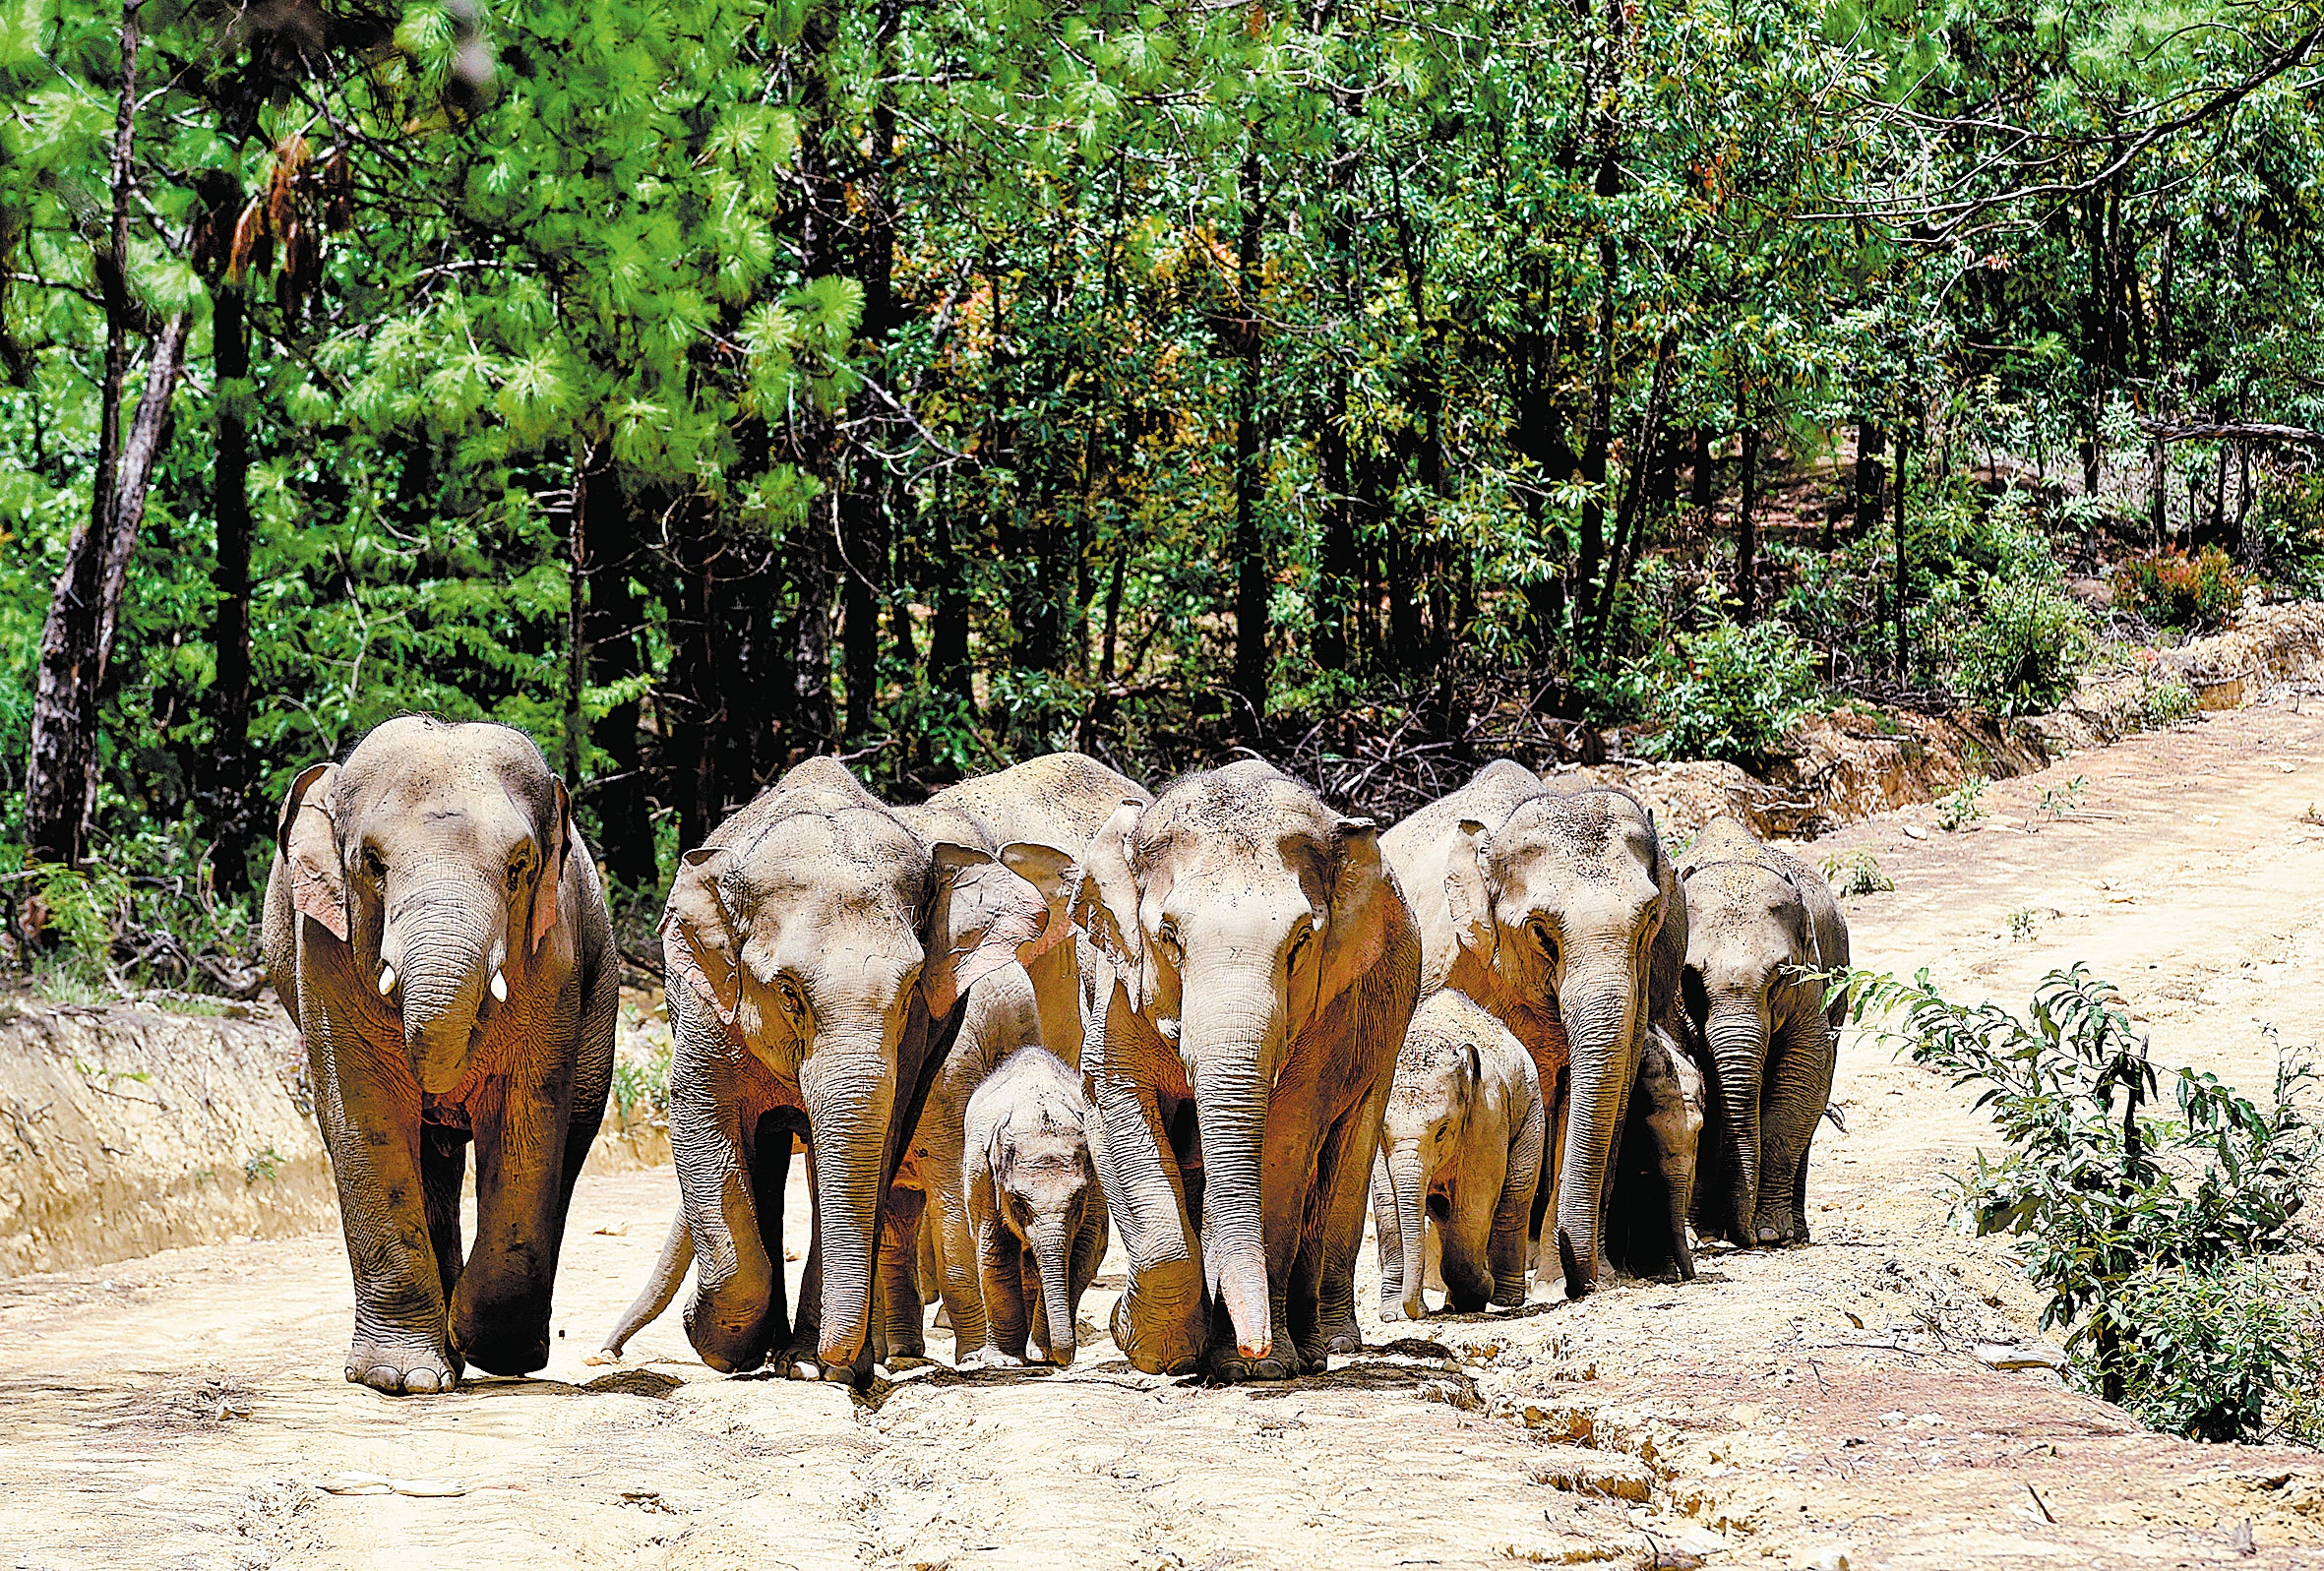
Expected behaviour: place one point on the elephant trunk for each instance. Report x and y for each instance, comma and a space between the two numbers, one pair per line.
1601, 1010
1408, 1179
443, 945
734, 1279
1736, 1034
1052, 1239
848, 1082
1226, 1040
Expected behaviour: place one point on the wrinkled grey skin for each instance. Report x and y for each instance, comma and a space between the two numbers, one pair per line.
436, 929
1044, 813
1763, 924
928, 1203
1460, 1152
1672, 1095
1035, 1206
1258, 969
819, 951
1558, 913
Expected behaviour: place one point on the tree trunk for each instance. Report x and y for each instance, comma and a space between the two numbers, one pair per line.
576, 615
1903, 457
864, 533
609, 631
1252, 580
1701, 489
1638, 485
1746, 524
225, 764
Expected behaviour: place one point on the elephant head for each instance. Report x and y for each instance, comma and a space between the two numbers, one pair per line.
1426, 1123
436, 853
1045, 1183
821, 936
1751, 953
1233, 910
1572, 905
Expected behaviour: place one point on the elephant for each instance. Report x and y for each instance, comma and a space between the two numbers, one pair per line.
436, 929
1558, 913
1765, 931
1029, 1170
819, 953
1047, 809
1257, 968
1659, 1151
1460, 1146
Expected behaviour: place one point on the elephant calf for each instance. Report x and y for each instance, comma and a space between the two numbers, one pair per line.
1762, 928
1460, 1146
1660, 1150
1035, 1206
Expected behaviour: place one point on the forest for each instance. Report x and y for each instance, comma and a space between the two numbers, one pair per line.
707, 384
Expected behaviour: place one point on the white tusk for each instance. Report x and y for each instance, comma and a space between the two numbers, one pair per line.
387, 980
500, 987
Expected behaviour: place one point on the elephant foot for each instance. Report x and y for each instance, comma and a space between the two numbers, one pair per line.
403, 1368
897, 1362
1509, 1295
1172, 1348
1393, 1310
1227, 1366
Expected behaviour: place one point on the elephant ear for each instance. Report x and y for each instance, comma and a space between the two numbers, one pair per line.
1052, 874
1105, 902
1364, 902
1467, 894
699, 943
550, 885
306, 838
978, 916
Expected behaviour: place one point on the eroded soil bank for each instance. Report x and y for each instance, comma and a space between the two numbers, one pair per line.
180, 1409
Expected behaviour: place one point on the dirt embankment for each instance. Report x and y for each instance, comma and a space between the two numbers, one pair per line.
127, 1129
1853, 763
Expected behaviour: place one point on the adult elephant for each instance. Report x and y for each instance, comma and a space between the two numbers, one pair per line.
436, 929
1045, 811
1767, 929
818, 952
1256, 969
1561, 915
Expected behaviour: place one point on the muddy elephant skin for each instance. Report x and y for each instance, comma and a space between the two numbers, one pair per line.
1560, 912
819, 951
1459, 1154
436, 929
1258, 968
1765, 930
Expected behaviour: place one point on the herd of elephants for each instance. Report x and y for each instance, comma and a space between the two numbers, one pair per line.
1222, 1018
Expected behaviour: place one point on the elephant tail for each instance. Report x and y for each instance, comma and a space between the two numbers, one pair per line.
668, 1271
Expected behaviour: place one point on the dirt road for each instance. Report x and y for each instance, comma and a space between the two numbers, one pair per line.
1784, 1410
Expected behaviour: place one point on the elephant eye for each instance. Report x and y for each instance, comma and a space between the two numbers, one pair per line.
786, 992
1299, 946
1541, 936
1166, 939
375, 866
515, 875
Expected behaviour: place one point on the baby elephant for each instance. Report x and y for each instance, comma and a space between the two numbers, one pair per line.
1762, 932
1670, 1103
1035, 1206
1460, 1143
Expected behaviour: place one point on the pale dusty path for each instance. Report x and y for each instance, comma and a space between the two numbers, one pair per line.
178, 1410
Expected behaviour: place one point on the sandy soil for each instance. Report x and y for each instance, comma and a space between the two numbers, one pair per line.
1785, 1409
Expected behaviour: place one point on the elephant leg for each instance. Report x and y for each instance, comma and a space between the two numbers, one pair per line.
1344, 1172
1544, 1236
799, 1358
368, 1105
771, 1182
930, 1273
1161, 1321
956, 1258
1001, 1262
500, 1314
900, 1309
1799, 1084
1505, 1248
443, 1164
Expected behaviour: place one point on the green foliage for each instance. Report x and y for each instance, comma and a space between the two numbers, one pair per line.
2025, 649
1964, 805
264, 1165
2147, 1220
2166, 702
2022, 925
2172, 589
1856, 872
1731, 692
2060, 800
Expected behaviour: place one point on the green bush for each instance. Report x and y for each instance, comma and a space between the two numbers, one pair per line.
1856, 873
2150, 1230
2175, 590
1730, 693
2025, 649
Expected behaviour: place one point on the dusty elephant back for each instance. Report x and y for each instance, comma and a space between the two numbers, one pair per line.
1060, 800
